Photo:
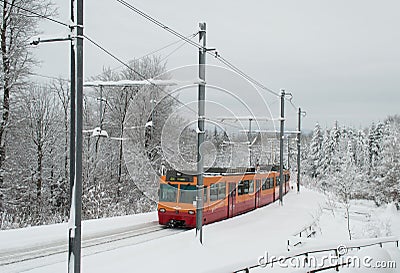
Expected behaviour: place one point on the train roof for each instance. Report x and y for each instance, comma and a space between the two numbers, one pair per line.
214, 171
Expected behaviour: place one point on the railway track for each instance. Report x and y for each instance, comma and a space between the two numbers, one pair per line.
23, 259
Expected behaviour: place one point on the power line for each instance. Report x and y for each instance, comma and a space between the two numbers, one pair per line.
216, 55
35, 13
243, 74
49, 77
191, 36
180, 36
151, 83
158, 23
134, 71
173, 51
291, 103
118, 59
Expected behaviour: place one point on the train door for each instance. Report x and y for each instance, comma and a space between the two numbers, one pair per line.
231, 199
284, 179
273, 192
257, 195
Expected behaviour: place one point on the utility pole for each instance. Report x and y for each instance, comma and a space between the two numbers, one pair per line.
74, 257
72, 143
71, 140
101, 108
72, 150
298, 147
282, 118
288, 148
249, 137
249, 132
200, 125
152, 113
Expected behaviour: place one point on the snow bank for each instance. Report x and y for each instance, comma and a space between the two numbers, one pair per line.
43, 235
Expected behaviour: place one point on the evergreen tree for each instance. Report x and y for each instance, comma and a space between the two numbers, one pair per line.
315, 154
357, 165
387, 177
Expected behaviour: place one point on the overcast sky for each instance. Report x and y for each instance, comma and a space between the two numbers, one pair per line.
340, 59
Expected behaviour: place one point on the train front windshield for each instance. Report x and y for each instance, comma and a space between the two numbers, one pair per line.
168, 193
187, 194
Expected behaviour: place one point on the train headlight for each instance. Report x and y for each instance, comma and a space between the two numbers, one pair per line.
162, 210
191, 212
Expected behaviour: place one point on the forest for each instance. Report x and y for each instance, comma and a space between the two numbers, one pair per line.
356, 163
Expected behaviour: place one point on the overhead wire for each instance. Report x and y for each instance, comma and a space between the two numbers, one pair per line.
292, 104
158, 23
243, 74
151, 83
110, 54
172, 31
49, 77
191, 36
173, 51
34, 13
43, 17
134, 71
215, 54
66, 25
100, 47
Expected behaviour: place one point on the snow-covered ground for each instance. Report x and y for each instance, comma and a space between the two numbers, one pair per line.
15, 239
229, 245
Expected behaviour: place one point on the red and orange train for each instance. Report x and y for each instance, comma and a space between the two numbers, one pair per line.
227, 193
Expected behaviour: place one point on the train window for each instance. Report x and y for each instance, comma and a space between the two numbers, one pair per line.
264, 185
251, 186
241, 188
222, 190
278, 180
246, 186
187, 194
271, 182
205, 194
168, 192
213, 192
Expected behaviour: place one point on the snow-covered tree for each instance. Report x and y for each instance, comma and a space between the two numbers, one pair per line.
370, 162
375, 136
315, 154
387, 179
17, 27
345, 182
42, 111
